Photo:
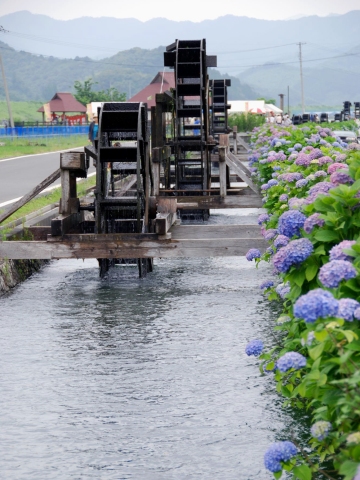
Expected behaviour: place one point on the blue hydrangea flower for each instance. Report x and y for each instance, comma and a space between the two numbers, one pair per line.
347, 308
266, 284
301, 183
255, 347
253, 253
278, 452
283, 198
294, 253
281, 241
357, 314
320, 430
264, 217
273, 183
290, 223
309, 339
337, 252
316, 304
276, 168
332, 273
291, 360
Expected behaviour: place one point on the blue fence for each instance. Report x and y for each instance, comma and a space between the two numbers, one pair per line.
53, 131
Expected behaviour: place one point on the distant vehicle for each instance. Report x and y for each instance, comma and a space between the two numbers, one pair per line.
347, 136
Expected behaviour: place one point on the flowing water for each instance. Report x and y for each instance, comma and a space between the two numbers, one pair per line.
124, 378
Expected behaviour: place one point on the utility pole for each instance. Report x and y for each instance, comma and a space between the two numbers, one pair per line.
6, 93
301, 78
288, 99
2, 30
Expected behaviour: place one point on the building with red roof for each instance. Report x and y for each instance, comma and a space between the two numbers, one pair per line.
63, 103
162, 82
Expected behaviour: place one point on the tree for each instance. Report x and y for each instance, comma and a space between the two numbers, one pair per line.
272, 101
85, 94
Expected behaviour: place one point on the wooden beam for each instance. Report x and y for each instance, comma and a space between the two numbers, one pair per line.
29, 196
64, 223
164, 222
108, 246
222, 170
234, 164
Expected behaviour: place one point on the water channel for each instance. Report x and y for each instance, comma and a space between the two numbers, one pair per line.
124, 378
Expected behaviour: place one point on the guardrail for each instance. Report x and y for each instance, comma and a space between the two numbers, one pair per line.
53, 131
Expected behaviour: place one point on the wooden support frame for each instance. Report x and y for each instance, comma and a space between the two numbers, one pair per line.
32, 194
130, 246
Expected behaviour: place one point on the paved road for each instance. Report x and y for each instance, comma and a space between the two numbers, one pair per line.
20, 175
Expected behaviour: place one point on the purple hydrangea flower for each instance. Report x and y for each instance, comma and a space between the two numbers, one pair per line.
281, 241
283, 289
357, 314
265, 186
253, 253
320, 430
291, 360
283, 198
255, 347
316, 304
332, 273
270, 234
303, 159
264, 217
337, 252
325, 160
316, 153
347, 307
320, 173
341, 178
278, 452
296, 203
290, 223
266, 284
313, 220
298, 146
294, 253
321, 188
335, 166
301, 183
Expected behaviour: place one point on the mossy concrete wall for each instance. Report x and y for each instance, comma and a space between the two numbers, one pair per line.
13, 272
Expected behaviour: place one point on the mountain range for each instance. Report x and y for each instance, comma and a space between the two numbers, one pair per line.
261, 56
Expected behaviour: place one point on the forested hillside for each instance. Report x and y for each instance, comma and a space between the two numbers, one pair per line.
37, 78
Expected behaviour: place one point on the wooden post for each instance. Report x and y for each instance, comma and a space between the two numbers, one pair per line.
222, 170
235, 139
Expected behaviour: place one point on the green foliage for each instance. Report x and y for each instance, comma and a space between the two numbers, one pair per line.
245, 122
85, 94
271, 101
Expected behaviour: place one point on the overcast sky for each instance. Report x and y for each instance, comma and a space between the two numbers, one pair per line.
194, 10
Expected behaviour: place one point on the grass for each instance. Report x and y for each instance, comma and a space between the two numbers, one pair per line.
48, 199
22, 111
245, 122
15, 147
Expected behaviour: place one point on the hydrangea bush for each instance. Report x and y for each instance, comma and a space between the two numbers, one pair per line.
310, 182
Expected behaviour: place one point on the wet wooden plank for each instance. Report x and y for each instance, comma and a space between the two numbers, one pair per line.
100, 246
